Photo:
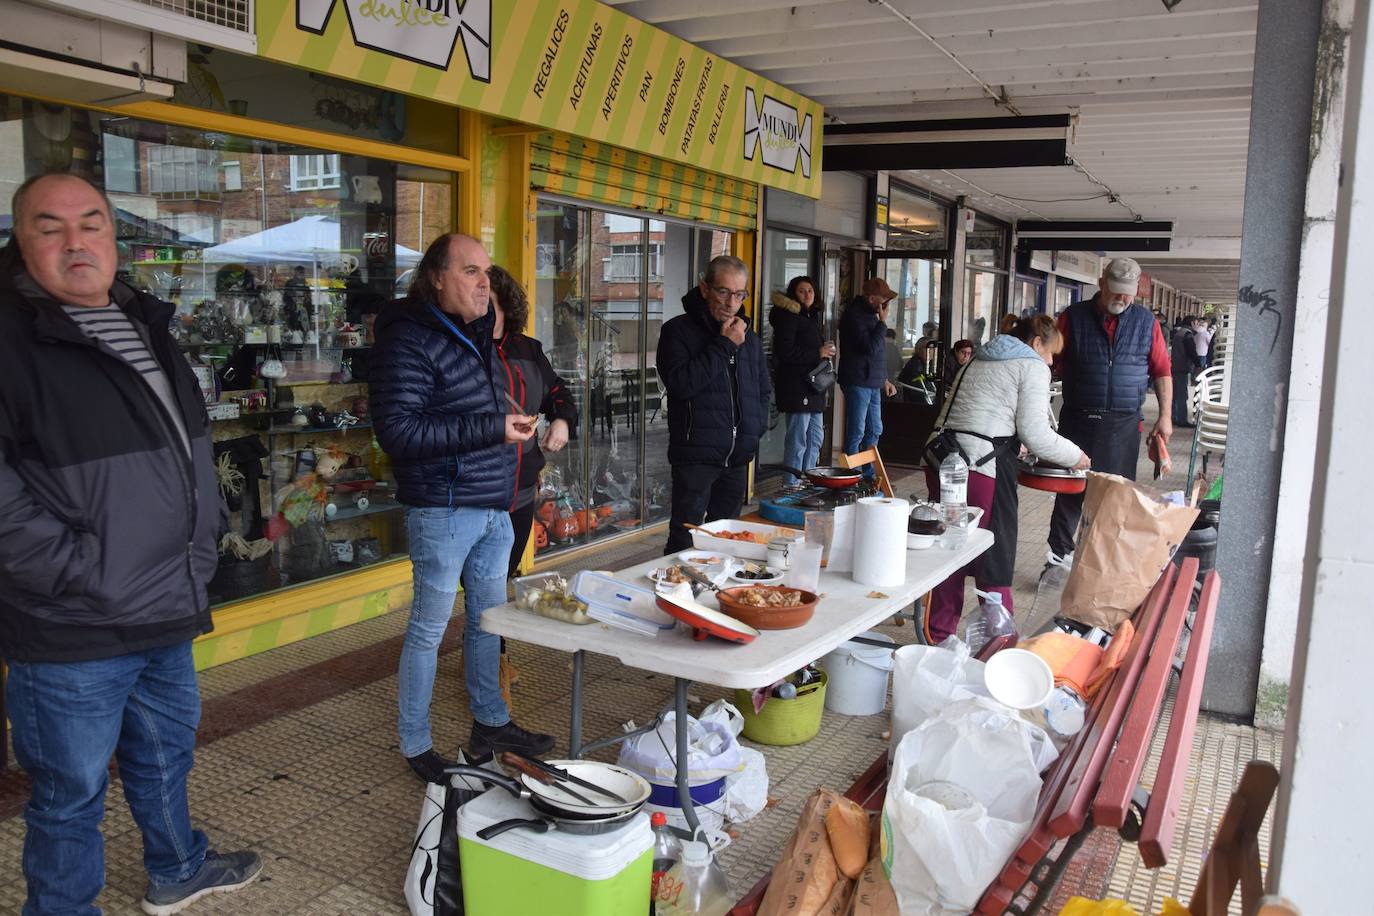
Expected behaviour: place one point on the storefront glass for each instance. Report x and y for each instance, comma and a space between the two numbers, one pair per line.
605, 283
917, 284
915, 222
984, 279
1028, 296
1066, 293
269, 251
789, 254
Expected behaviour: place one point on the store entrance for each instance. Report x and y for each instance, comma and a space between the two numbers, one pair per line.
605, 283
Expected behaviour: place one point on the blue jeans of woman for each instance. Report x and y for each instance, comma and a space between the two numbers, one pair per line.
68, 718
463, 545
863, 420
802, 445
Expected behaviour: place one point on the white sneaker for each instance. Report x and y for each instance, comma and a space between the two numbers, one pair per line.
1054, 559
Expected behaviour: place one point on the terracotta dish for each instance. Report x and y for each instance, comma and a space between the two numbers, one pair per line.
733, 602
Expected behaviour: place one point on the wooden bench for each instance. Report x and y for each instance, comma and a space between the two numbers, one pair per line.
1095, 781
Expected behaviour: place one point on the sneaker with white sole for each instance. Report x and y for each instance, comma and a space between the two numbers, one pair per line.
220, 873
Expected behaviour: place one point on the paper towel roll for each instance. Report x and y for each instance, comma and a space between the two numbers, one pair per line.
880, 541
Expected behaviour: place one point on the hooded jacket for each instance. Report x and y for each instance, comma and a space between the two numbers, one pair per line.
797, 340
863, 346
524, 372
1005, 391
437, 410
109, 528
717, 392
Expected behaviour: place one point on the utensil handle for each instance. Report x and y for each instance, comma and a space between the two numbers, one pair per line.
496, 779
500, 827
698, 578
529, 767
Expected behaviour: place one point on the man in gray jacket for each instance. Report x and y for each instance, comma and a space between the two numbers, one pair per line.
109, 516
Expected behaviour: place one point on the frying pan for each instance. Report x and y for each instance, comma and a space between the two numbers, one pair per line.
830, 478
559, 802
555, 816
1051, 479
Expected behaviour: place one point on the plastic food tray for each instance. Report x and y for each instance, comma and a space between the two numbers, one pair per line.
750, 550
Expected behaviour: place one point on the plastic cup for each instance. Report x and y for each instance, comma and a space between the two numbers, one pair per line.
820, 529
804, 569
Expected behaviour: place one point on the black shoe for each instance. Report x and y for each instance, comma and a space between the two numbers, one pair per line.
487, 740
221, 873
430, 767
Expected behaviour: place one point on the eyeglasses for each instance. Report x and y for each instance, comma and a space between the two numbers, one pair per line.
738, 295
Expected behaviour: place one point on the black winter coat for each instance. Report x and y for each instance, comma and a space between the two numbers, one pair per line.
717, 393
108, 529
797, 340
437, 410
525, 372
863, 346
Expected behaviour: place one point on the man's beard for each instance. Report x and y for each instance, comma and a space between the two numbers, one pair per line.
1116, 307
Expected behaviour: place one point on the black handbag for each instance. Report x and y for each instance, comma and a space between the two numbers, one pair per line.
822, 377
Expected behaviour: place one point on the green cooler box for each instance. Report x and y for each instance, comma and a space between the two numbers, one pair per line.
523, 873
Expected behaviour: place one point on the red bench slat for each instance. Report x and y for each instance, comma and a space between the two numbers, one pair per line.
1122, 773
1157, 833
1071, 809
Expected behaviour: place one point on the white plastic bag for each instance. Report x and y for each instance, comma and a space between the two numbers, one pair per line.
746, 792
926, 679
436, 846
960, 800
712, 751
725, 713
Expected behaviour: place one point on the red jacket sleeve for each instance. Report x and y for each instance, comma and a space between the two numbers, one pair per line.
1160, 366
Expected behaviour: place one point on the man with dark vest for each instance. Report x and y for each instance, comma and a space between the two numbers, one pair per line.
1113, 353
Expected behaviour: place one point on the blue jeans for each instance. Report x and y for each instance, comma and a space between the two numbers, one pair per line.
802, 445
68, 718
446, 546
863, 420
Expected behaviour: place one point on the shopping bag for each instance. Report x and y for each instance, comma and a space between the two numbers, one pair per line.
433, 883
961, 798
927, 678
1124, 541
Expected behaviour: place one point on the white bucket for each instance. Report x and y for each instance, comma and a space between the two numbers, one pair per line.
858, 676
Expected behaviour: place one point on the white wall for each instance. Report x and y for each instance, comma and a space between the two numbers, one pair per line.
1304, 385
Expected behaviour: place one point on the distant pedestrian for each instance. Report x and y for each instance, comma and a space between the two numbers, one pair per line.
799, 345
863, 366
1202, 341
108, 539
1185, 363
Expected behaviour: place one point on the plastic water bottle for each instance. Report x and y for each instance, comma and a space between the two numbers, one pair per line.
695, 885
954, 499
991, 621
667, 852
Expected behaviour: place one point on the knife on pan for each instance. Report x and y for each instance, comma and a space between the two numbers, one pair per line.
525, 765
560, 774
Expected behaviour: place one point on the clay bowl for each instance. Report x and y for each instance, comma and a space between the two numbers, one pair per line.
768, 618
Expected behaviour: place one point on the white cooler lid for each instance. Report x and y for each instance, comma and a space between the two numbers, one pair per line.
590, 857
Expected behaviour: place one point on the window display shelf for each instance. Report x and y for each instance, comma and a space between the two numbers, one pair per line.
301, 430
352, 512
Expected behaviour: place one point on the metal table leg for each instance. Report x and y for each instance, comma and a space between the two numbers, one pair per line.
575, 727
684, 787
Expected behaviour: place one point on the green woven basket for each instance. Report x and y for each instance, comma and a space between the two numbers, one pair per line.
784, 722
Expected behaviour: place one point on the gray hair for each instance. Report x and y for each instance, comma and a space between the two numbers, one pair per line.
724, 262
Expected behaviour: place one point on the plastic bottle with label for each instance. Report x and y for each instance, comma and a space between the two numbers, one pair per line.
695, 885
667, 852
954, 500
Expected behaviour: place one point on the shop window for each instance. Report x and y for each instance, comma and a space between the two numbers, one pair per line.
314, 173
267, 251
601, 336
915, 222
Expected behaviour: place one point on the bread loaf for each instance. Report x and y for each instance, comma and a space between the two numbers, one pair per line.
847, 826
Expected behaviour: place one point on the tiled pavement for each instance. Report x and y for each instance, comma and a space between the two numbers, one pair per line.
298, 758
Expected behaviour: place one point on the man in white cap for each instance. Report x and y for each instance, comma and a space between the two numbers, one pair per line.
1113, 353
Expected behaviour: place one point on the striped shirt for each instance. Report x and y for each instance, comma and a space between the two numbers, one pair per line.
109, 325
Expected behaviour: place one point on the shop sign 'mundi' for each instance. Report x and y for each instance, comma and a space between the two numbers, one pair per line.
424, 31
775, 128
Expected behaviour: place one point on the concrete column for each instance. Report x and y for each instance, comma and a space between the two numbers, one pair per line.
1275, 182
1320, 851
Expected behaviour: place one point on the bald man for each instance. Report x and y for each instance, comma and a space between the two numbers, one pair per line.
110, 515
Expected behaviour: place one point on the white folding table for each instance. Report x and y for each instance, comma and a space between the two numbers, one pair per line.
845, 610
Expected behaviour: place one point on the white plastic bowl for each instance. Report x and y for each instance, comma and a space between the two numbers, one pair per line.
1019, 679
919, 541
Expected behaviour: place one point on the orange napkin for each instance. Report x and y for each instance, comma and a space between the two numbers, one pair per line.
1078, 664
1114, 656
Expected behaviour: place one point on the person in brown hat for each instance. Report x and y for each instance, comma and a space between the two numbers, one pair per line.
862, 372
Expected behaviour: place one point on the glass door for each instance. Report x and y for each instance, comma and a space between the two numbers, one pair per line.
789, 254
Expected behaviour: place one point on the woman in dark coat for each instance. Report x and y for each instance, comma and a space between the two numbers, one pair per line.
524, 373
798, 345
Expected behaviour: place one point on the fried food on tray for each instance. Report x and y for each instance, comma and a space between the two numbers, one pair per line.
769, 597
749, 536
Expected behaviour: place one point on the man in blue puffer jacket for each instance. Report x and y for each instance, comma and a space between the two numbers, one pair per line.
712, 366
863, 367
436, 412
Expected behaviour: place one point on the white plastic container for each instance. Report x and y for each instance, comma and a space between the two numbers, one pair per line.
1019, 679
859, 676
620, 604
702, 539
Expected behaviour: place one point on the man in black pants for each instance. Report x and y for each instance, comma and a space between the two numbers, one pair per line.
1113, 352
713, 368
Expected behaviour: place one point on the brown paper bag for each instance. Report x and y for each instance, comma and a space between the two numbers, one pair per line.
873, 894
1125, 540
806, 873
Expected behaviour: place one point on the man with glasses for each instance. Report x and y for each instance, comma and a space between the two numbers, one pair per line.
712, 366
